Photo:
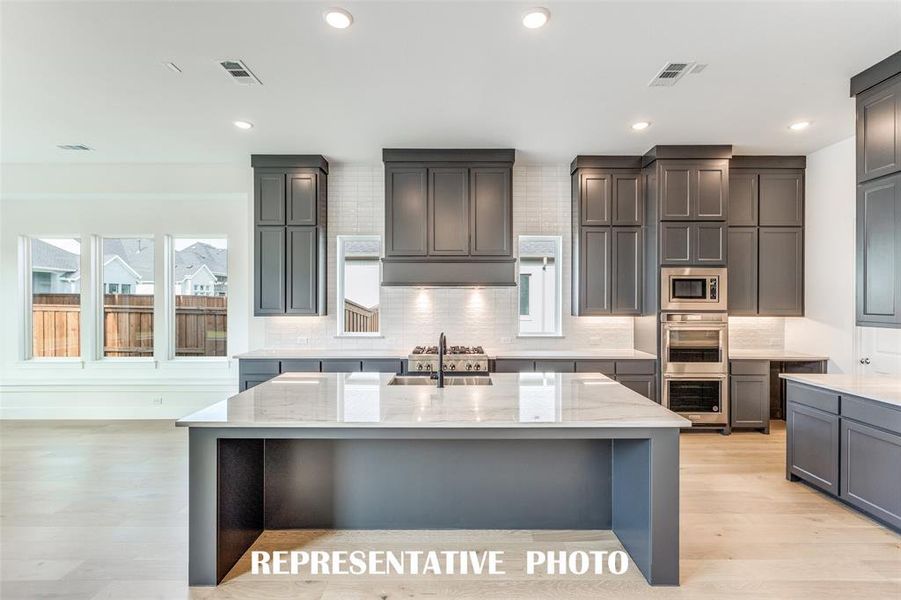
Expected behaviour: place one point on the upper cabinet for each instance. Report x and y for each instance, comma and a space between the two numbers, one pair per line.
878, 93
693, 190
879, 130
290, 215
448, 217
765, 235
608, 240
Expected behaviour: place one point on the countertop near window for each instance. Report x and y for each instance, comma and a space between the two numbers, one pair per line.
882, 388
766, 354
584, 354
321, 353
366, 400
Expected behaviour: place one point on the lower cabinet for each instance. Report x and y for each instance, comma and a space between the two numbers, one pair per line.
250, 382
637, 375
646, 385
341, 366
812, 445
749, 394
870, 464
555, 366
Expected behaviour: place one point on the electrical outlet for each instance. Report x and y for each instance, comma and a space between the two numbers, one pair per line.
158, 400
303, 340
506, 340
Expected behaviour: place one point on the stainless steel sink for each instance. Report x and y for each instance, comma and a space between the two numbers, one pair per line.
449, 380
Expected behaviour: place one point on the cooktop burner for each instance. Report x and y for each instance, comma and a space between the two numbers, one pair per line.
450, 350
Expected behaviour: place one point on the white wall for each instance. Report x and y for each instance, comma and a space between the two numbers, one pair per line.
828, 323
83, 200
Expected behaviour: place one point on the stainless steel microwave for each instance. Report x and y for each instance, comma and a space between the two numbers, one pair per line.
693, 289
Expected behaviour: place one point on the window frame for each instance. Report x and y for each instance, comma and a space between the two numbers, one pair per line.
339, 296
26, 305
558, 285
170, 292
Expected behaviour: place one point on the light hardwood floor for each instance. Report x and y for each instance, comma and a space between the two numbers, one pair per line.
99, 510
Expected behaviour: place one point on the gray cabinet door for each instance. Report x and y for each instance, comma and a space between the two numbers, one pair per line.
334, 365
879, 252
870, 462
627, 272
710, 191
491, 211
595, 197
406, 211
606, 367
555, 366
514, 365
675, 243
269, 271
302, 273
269, 198
646, 385
449, 211
383, 365
628, 207
675, 190
742, 263
812, 448
709, 243
743, 198
879, 130
302, 199
780, 286
782, 198
251, 382
300, 365
749, 399
594, 271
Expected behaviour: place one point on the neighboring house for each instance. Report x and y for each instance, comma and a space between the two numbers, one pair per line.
199, 269
54, 270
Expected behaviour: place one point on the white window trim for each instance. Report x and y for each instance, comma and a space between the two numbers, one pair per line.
558, 283
339, 299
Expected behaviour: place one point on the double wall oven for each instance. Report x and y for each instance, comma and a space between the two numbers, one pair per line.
694, 341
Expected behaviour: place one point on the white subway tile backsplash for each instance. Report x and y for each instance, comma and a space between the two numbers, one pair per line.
411, 316
756, 333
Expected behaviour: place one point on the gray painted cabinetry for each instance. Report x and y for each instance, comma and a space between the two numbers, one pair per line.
693, 190
254, 371
878, 95
766, 236
289, 255
608, 246
448, 217
849, 447
637, 375
749, 394
692, 243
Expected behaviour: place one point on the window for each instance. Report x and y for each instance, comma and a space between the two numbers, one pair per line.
200, 283
359, 279
540, 285
127, 318
55, 297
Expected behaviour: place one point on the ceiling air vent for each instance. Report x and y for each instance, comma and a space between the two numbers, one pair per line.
74, 147
239, 72
671, 73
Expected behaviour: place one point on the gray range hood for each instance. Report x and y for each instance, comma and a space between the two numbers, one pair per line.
448, 217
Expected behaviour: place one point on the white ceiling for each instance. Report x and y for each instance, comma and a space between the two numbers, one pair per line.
433, 74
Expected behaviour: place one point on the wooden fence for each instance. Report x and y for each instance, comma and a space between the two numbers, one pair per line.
359, 319
200, 325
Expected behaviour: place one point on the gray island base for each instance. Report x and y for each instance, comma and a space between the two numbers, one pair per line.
353, 451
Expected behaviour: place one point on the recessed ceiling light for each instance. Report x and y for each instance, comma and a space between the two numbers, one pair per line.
640, 125
243, 124
799, 126
338, 18
536, 17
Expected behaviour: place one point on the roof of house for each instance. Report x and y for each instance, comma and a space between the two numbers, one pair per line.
137, 253
50, 257
189, 260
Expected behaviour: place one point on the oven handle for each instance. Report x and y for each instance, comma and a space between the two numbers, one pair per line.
698, 377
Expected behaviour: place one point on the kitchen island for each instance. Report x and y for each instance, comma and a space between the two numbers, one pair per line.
378, 451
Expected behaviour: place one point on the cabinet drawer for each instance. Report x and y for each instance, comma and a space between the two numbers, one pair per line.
341, 366
607, 367
250, 382
513, 365
872, 413
257, 367
749, 367
383, 365
809, 396
555, 366
869, 468
636, 367
300, 366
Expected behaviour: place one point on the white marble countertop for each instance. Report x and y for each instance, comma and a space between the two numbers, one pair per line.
767, 354
882, 388
289, 353
365, 400
584, 354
